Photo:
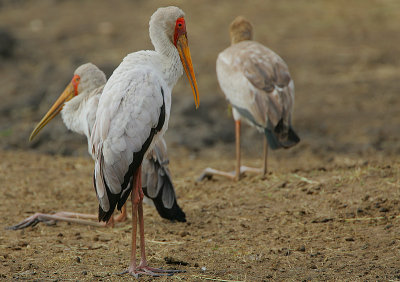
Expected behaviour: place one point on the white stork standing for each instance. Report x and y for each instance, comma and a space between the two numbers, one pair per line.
78, 106
257, 83
133, 112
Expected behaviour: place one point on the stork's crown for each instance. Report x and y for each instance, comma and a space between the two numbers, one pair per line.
162, 25
91, 77
240, 30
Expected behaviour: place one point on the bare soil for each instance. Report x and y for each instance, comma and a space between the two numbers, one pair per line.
309, 220
329, 207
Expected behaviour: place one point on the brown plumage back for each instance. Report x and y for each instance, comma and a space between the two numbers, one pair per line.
240, 30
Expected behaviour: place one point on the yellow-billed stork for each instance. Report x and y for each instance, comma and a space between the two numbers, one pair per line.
78, 107
133, 112
257, 83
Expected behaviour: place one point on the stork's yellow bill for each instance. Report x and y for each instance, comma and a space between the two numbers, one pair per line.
70, 92
181, 43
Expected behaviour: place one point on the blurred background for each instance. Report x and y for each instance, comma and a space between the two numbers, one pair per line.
344, 57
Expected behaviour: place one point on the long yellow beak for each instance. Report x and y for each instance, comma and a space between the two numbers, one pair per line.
67, 95
186, 59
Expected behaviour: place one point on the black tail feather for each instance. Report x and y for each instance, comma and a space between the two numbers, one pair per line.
281, 138
293, 138
272, 139
173, 213
112, 199
165, 199
125, 194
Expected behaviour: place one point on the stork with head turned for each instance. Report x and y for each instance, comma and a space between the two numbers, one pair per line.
78, 106
133, 113
257, 83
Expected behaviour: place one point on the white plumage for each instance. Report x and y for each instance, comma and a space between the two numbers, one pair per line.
79, 113
78, 105
133, 112
128, 110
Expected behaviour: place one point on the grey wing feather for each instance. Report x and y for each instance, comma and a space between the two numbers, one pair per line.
164, 175
274, 97
156, 171
157, 183
149, 175
257, 83
269, 74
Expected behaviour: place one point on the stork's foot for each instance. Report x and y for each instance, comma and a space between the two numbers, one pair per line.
121, 217
150, 271
31, 221
254, 170
244, 169
72, 217
59, 216
137, 273
209, 172
168, 272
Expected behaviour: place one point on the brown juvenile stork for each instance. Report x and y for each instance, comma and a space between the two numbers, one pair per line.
133, 113
257, 83
78, 106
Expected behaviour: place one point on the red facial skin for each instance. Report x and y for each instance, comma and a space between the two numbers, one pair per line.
75, 82
180, 29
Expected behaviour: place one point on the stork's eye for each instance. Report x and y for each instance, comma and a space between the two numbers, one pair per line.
180, 29
75, 82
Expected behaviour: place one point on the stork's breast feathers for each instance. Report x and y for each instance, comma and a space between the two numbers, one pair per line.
129, 109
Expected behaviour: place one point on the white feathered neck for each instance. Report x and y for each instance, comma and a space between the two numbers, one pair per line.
161, 30
79, 113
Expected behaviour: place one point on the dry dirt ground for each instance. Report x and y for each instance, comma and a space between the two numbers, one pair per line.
328, 210
308, 220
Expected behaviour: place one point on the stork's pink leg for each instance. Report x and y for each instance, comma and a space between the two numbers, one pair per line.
237, 137
209, 172
143, 261
134, 198
123, 216
263, 170
239, 170
265, 156
137, 197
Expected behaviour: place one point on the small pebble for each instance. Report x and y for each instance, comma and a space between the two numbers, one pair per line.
302, 248
184, 233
